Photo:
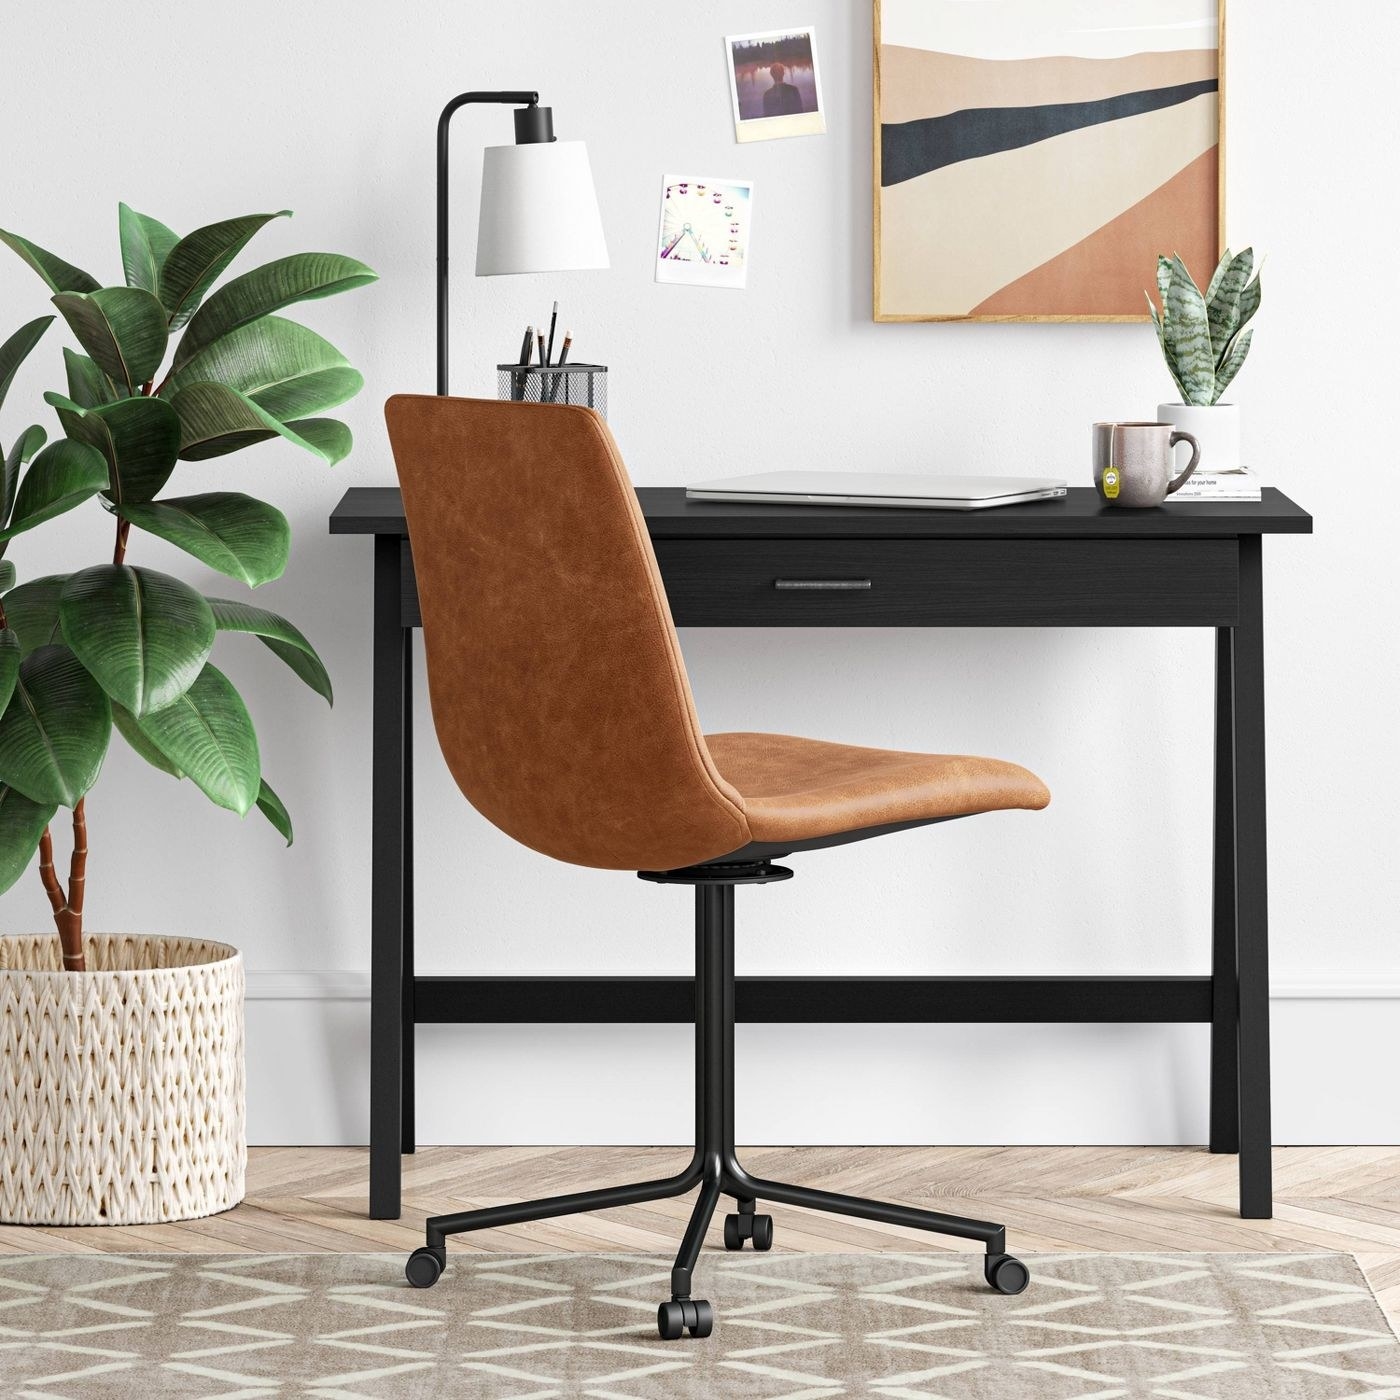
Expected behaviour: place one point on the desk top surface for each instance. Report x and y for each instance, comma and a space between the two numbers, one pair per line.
377, 510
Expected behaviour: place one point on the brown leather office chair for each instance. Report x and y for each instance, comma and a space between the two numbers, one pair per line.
563, 710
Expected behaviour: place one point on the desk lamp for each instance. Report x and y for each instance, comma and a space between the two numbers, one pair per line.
539, 212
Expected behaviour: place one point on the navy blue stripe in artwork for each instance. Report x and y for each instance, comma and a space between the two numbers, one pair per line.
910, 149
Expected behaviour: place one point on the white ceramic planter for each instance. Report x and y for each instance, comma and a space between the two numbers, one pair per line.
121, 1088
1216, 428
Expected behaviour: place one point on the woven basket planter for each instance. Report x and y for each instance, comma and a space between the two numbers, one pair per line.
121, 1088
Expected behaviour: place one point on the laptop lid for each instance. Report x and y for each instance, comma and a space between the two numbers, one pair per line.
804, 485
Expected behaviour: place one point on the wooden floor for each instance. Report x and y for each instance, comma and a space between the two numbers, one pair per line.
1051, 1198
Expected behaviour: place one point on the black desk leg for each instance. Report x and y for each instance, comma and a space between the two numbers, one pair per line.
1225, 978
387, 887
1251, 883
409, 1128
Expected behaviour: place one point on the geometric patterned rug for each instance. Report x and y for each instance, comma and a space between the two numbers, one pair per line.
787, 1327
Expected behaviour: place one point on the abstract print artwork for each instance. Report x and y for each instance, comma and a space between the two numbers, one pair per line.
1032, 157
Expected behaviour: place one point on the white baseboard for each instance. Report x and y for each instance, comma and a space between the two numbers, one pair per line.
1334, 1040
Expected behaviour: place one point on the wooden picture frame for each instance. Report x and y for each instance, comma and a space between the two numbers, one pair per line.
972, 186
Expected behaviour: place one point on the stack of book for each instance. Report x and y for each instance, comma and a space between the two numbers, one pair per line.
1241, 485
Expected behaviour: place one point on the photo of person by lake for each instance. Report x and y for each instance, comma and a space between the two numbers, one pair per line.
774, 84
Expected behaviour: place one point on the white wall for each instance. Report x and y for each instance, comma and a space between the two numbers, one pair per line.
193, 113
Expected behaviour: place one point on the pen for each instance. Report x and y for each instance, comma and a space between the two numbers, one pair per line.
563, 355
543, 360
518, 380
553, 317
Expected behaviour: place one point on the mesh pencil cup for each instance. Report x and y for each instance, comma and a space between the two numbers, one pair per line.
567, 383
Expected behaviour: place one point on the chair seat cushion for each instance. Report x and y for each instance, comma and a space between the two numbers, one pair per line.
796, 789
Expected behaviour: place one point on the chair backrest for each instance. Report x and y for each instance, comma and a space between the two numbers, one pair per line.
558, 690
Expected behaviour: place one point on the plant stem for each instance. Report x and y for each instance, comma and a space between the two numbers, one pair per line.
46, 873
67, 918
119, 551
77, 866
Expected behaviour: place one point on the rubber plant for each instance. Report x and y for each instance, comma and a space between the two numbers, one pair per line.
1202, 335
170, 370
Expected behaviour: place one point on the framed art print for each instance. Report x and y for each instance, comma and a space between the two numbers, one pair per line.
1032, 157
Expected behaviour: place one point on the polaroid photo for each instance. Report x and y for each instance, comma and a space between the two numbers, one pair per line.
774, 85
703, 239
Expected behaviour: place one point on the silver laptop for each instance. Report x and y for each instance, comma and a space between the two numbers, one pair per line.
879, 489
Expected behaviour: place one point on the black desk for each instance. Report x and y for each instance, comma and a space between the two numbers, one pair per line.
1054, 564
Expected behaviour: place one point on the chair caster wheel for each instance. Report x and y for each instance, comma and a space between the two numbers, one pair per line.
758, 1228
694, 1314
425, 1266
1006, 1274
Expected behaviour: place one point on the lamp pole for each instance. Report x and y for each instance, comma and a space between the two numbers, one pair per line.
532, 123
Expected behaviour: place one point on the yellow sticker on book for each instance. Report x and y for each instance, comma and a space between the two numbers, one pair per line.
1111, 483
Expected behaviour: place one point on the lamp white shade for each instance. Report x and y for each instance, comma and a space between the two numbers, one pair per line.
539, 212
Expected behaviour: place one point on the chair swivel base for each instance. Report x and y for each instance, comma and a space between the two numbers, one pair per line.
715, 1167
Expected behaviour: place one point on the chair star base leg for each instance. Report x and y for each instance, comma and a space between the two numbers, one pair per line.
715, 1167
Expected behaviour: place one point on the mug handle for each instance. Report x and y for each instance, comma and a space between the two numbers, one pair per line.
1191, 465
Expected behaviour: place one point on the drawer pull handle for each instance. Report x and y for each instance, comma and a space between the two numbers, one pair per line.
820, 583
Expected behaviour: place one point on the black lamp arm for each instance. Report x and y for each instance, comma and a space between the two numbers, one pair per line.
533, 123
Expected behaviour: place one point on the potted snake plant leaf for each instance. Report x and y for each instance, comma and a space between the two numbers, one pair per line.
121, 1056
1204, 340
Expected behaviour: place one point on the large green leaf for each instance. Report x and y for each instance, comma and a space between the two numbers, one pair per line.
130, 729
194, 263
285, 640
64, 475
22, 823
144, 635
328, 436
7, 577
32, 612
246, 539
122, 328
139, 438
215, 420
88, 387
271, 806
145, 244
61, 276
208, 735
14, 350
54, 734
1187, 332
10, 658
301, 277
286, 369
28, 443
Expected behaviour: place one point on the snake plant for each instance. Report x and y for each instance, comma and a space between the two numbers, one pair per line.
122, 646
1203, 337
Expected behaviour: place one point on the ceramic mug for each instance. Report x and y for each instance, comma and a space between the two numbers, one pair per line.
1133, 462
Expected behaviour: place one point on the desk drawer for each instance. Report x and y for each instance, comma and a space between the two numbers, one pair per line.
951, 583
